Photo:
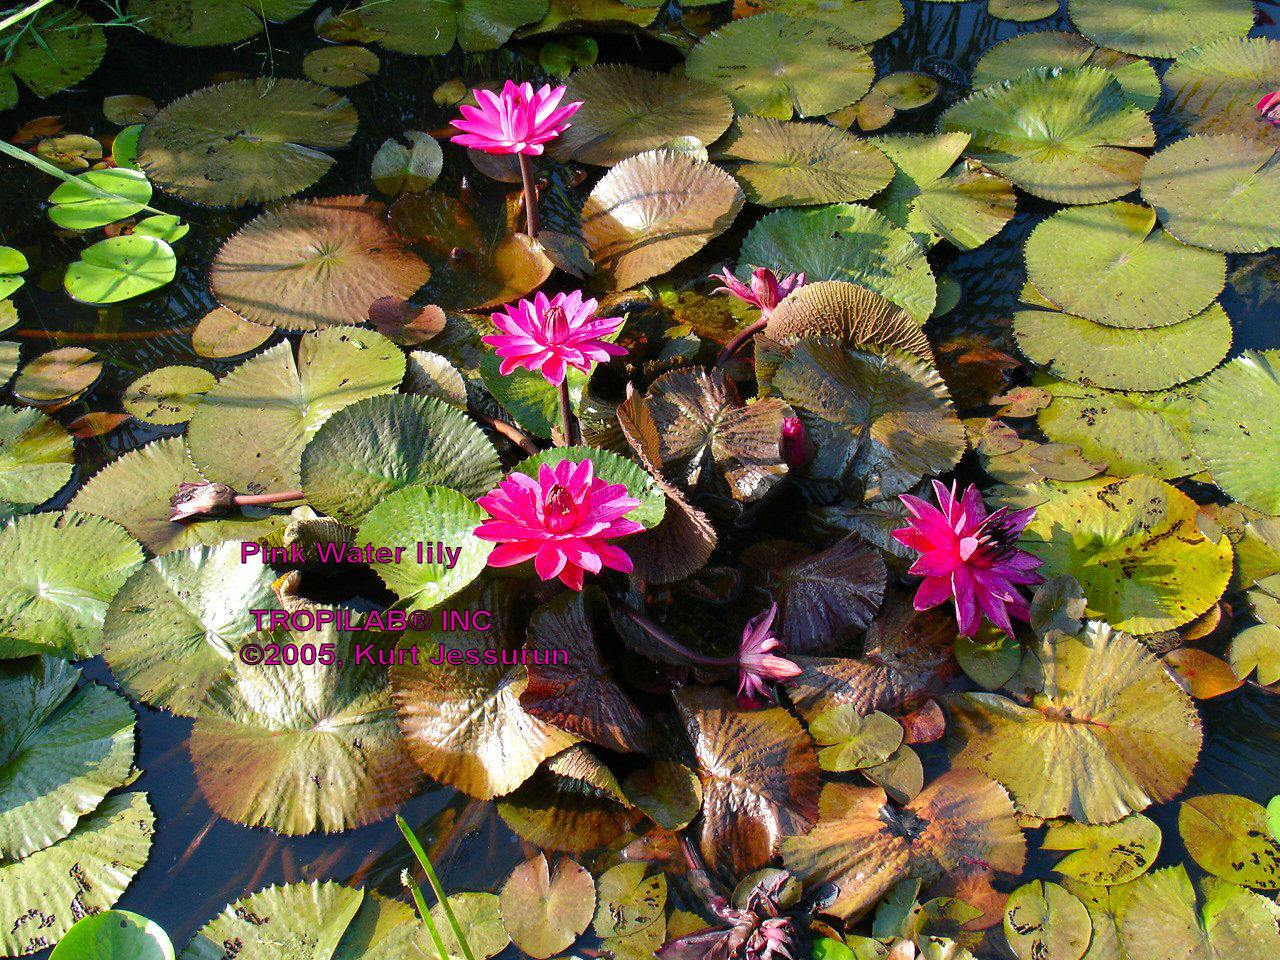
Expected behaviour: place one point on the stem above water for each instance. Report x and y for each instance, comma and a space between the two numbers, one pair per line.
530, 195
736, 344
568, 423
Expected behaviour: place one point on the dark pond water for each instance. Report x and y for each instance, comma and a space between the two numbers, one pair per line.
200, 862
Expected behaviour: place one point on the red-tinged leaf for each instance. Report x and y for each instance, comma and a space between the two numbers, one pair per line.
96, 424
1201, 674
404, 323
925, 724
37, 129
543, 911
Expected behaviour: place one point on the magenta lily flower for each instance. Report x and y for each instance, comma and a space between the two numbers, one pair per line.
548, 336
1269, 107
766, 290
561, 521
758, 665
517, 120
792, 442
971, 556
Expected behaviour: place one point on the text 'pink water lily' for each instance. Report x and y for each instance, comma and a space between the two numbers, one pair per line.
548, 336
971, 556
561, 521
517, 120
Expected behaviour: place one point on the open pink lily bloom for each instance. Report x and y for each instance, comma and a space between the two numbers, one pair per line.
561, 521
758, 665
517, 120
970, 556
1269, 107
766, 290
548, 336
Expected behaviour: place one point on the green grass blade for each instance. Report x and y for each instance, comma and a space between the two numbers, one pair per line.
421, 854
45, 167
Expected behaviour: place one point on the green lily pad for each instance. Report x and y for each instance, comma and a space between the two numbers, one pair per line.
59, 47
134, 491
935, 199
865, 20
1011, 58
12, 263
341, 66
1215, 87
245, 141
176, 625
114, 935
880, 420
222, 333
626, 110
1235, 430
62, 750
124, 148
1137, 551
628, 901
990, 658
1022, 11
1114, 358
480, 919
60, 570
847, 740
251, 428
845, 241
776, 65
399, 169
1157, 28
543, 911
380, 445
1227, 835
1162, 919
532, 402
1105, 855
167, 395
654, 210
1062, 135
85, 872
209, 23
36, 456
1109, 734
1044, 920
1257, 648
1216, 192
784, 164
166, 227
1130, 432
119, 268
591, 14
301, 748
313, 264
1110, 263
429, 27
668, 793
76, 208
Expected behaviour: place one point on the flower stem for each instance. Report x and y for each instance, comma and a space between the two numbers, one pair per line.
530, 195
266, 499
736, 344
670, 642
515, 435
568, 424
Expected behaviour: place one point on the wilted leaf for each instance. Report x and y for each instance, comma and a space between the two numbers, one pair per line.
667, 792
1106, 855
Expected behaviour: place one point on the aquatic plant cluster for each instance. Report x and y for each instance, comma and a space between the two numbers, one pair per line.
791, 506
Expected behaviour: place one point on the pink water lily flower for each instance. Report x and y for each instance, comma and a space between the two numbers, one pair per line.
548, 336
766, 290
561, 521
971, 556
758, 665
517, 120
1269, 107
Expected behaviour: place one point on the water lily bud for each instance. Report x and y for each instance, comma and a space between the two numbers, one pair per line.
204, 499
796, 450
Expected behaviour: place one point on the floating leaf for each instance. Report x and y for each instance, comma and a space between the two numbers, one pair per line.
36, 456
774, 65
12, 263
1136, 549
1257, 648
72, 151
1227, 835
990, 658
760, 778
933, 199
1152, 28
75, 207
85, 872
1058, 134
427, 27
628, 901
463, 723
1202, 674
867, 20
1022, 11
55, 48
314, 264
572, 804
845, 241
431, 375
114, 935
881, 421
400, 169
579, 694
207, 23
864, 845
1215, 87
544, 912
652, 211
1216, 192
901, 776
1109, 734
479, 917
119, 268
1110, 263
245, 141
222, 333
532, 402
251, 428
303, 747
703, 426
128, 108
1235, 430
167, 395
1044, 920
849, 741
782, 164
850, 313
1106, 855
668, 792
626, 110
174, 627
341, 66
63, 749
60, 570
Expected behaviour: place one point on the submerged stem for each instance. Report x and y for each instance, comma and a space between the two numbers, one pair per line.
671, 643
530, 195
736, 344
